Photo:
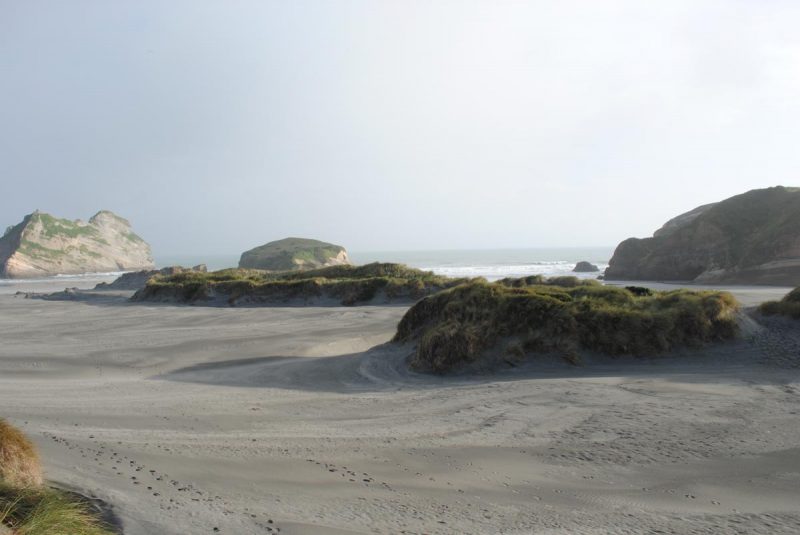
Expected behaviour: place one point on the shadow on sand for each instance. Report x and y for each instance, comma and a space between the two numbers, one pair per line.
385, 368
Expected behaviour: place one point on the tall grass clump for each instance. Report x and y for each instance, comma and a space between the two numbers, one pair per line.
19, 460
788, 306
28, 508
458, 326
47, 512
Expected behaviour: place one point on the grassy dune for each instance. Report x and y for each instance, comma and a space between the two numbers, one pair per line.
564, 315
350, 285
788, 306
28, 508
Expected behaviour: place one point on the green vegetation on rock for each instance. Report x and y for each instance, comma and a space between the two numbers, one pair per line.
53, 226
460, 326
35, 250
347, 284
43, 245
133, 237
788, 306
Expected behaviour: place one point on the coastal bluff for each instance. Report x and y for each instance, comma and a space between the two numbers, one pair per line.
752, 238
43, 245
294, 254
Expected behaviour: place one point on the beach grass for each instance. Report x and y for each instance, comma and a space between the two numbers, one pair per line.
19, 460
788, 306
29, 508
563, 315
350, 285
44, 511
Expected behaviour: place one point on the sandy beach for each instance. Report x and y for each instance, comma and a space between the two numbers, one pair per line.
302, 420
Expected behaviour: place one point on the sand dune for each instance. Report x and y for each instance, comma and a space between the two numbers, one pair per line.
303, 420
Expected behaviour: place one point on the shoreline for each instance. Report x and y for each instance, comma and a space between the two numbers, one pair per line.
303, 417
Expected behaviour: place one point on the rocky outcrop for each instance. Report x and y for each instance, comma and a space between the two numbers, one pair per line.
585, 267
43, 245
752, 238
136, 280
682, 220
294, 254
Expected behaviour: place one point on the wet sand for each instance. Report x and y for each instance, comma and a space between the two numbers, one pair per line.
187, 419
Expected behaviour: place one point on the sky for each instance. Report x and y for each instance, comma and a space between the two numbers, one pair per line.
394, 125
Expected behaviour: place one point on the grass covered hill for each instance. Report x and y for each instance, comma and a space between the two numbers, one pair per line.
565, 315
345, 284
29, 508
788, 306
294, 253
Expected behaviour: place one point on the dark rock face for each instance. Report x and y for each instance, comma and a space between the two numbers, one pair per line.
753, 238
585, 267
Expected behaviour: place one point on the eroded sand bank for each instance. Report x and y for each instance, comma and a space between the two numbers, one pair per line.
188, 419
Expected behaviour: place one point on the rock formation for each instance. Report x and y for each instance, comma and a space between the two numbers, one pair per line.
585, 267
136, 280
43, 245
294, 254
752, 238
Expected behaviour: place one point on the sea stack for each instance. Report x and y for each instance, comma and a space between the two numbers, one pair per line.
44, 245
752, 238
294, 254
585, 267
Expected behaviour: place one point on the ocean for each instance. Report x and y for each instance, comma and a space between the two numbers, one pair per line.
493, 264
490, 263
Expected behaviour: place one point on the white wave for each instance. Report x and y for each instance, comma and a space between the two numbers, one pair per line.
498, 271
64, 277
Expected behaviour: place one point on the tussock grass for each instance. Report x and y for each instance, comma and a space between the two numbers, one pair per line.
46, 512
26, 506
458, 326
788, 306
19, 460
349, 284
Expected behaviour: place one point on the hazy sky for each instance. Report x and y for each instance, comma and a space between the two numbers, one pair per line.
218, 125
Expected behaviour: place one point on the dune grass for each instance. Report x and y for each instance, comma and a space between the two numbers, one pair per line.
27, 507
788, 306
43, 511
19, 460
350, 285
564, 315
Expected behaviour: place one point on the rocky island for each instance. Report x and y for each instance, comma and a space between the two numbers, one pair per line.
752, 238
44, 245
294, 253
585, 267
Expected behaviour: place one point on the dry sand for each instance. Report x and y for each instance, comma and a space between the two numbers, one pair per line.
236, 421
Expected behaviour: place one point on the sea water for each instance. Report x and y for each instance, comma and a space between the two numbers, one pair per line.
492, 264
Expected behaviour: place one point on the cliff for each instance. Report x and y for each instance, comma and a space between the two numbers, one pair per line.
294, 253
43, 245
752, 238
